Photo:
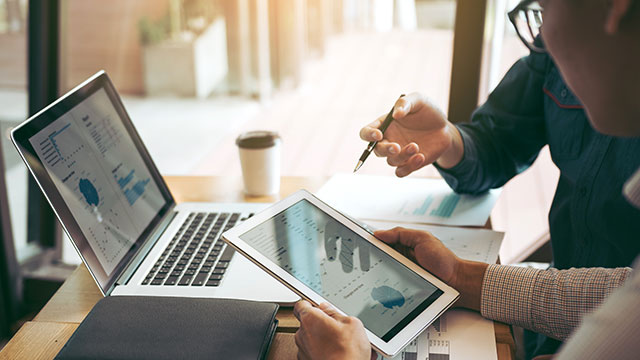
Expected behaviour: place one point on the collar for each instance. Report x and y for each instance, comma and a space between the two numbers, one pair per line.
631, 189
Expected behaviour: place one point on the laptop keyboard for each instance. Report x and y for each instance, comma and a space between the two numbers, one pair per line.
196, 256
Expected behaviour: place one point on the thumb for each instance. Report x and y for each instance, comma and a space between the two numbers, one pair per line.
399, 235
408, 104
310, 316
331, 311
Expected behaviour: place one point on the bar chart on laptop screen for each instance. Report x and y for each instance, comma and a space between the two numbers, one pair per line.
103, 180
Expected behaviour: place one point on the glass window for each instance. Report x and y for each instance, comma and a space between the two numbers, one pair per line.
196, 73
13, 102
523, 208
502, 47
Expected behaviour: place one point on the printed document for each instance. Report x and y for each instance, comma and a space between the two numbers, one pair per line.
412, 200
469, 244
457, 335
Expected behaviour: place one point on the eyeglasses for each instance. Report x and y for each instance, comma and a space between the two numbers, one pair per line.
526, 17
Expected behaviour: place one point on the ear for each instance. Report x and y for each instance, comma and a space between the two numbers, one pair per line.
617, 10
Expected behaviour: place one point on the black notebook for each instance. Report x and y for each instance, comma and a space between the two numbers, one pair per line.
151, 327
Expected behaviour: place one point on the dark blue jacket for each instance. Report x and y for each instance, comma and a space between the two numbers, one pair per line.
591, 224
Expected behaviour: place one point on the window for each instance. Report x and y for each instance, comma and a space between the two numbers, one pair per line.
196, 73
13, 102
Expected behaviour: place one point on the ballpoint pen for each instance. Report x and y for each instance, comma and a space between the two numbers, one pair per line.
372, 144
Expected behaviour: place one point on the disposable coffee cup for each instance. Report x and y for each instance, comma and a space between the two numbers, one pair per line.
260, 160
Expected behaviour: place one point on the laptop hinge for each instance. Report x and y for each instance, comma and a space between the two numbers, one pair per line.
145, 249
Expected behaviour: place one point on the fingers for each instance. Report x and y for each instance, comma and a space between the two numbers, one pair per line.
402, 236
407, 161
414, 163
371, 132
405, 154
405, 105
331, 311
306, 313
408, 104
386, 148
301, 308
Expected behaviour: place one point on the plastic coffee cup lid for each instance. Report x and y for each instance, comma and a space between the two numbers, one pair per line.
257, 139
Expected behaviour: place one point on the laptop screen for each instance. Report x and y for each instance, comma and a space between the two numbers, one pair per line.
98, 166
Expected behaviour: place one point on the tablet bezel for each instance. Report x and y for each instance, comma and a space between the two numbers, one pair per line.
398, 341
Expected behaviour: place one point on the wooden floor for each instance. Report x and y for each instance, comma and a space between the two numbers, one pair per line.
359, 79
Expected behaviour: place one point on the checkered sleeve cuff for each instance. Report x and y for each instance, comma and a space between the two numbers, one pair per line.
551, 302
506, 294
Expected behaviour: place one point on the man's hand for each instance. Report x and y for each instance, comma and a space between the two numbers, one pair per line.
429, 252
326, 334
419, 135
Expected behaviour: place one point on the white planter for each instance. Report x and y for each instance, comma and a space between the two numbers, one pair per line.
187, 68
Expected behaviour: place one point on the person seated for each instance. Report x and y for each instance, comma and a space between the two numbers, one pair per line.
595, 47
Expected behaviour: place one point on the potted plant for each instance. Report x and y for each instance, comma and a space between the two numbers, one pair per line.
185, 52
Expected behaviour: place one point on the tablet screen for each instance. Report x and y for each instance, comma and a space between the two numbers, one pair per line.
344, 268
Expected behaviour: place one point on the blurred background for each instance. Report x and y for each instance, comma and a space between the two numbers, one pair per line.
193, 74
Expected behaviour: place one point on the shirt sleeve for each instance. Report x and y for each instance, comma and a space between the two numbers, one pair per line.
551, 302
506, 133
612, 331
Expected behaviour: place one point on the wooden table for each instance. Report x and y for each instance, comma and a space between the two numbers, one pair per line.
43, 337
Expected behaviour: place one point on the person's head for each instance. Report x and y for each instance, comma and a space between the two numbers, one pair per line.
596, 46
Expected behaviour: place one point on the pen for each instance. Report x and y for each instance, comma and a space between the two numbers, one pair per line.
372, 144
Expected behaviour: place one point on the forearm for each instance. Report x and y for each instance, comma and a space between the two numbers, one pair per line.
551, 302
505, 134
612, 331
488, 158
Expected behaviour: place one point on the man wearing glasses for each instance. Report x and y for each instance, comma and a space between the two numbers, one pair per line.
595, 46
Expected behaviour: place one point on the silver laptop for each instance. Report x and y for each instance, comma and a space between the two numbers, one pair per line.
96, 173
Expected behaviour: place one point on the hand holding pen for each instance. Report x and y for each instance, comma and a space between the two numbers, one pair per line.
417, 134
373, 143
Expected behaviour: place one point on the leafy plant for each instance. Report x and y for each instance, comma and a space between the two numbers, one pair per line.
153, 32
184, 19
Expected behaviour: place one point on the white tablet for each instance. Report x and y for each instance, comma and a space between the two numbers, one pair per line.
325, 257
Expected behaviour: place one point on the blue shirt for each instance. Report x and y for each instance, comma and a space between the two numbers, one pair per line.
590, 222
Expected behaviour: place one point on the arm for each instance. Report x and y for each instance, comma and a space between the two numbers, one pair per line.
505, 134
552, 302
504, 138
612, 331
548, 301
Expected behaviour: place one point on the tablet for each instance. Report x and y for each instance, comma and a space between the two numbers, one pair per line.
325, 257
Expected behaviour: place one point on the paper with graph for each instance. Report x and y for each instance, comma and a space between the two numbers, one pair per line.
456, 335
469, 244
411, 200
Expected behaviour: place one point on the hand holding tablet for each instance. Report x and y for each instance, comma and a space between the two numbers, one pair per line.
325, 257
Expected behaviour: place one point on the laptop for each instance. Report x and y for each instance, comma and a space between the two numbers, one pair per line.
112, 202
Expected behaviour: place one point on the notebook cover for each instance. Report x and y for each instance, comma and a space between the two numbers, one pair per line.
151, 327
